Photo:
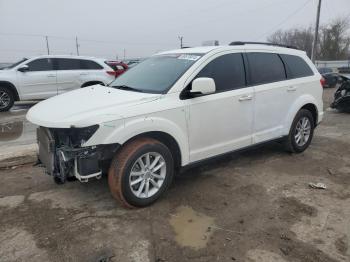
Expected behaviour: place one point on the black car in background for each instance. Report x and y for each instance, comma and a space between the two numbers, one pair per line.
331, 78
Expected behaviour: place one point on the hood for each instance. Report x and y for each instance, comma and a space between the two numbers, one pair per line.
86, 106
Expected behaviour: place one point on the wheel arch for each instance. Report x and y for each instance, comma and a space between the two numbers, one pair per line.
11, 87
170, 133
90, 83
313, 109
304, 102
165, 138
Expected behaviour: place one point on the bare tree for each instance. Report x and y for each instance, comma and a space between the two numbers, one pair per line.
298, 37
334, 41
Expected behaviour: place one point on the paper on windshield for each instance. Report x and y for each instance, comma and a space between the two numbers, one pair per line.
189, 57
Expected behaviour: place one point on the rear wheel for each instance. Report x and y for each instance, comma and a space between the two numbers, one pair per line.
7, 99
301, 132
141, 172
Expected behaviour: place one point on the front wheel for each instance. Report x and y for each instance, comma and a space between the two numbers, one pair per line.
301, 132
141, 172
6, 99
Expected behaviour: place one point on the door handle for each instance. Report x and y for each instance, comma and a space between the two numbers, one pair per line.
245, 98
291, 89
84, 74
51, 75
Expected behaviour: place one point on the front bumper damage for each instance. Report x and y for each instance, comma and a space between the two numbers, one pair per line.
63, 156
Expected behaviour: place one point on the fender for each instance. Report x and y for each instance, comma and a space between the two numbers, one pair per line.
129, 128
297, 105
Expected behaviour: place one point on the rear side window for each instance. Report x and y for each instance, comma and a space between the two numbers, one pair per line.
42, 64
90, 65
296, 66
67, 64
265, 68
227, 71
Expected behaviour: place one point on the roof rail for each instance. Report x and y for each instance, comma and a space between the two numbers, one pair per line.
262, 43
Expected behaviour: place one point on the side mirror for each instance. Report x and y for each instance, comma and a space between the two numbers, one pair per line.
203, 86
23, 68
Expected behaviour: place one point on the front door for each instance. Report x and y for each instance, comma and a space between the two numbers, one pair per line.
223, 121
39, 82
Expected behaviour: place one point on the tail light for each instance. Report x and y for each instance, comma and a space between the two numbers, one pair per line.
323, 81
112, 73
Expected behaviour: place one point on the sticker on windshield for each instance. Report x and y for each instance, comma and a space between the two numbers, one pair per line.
189, 57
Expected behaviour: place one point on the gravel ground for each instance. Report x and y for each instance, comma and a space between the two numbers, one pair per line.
253, 206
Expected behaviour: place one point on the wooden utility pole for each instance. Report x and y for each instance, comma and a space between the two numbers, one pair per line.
47, 44
77, 44
181, 42
314, 45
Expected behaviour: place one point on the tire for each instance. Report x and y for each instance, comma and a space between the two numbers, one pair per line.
7, 99
127, 161
293, 143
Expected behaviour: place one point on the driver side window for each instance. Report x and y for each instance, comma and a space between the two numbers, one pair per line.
227, 71
42, 64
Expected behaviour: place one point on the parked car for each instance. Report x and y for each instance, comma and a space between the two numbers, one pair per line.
41, 77
118, 67
331, 78
342, 96
133, 62
176, 109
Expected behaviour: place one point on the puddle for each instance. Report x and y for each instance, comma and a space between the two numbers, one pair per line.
18, 132
11, 131
192, 229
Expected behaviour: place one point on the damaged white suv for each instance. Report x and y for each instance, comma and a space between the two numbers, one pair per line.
175, 109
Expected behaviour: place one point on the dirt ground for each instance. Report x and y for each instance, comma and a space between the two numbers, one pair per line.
254, 206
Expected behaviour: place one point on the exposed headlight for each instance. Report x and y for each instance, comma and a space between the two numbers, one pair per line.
81, 135
74, 136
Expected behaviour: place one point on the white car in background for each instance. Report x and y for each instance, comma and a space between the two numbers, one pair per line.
42, 77
176, 109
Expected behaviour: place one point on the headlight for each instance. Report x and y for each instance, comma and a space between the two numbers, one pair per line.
74, 136
81, 135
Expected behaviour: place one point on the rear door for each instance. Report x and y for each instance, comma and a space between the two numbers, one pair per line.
68, 74
268, 77
39, 82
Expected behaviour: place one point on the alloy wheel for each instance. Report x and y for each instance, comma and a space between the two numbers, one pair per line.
4, 99
302, 131
147, 175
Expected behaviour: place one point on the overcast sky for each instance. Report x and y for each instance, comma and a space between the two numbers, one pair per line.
106, 27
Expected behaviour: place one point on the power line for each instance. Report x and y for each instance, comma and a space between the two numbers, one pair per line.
284, 20
85, 39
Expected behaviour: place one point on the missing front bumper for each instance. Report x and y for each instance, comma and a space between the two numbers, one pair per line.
63, 161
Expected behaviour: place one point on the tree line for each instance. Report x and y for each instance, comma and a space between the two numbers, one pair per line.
333, 43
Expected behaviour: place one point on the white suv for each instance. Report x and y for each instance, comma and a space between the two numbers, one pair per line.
45, 76
175, 109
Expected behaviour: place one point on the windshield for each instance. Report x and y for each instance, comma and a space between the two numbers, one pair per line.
156, 74
16, 64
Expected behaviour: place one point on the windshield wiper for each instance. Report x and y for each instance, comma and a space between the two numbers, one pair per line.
128, 88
